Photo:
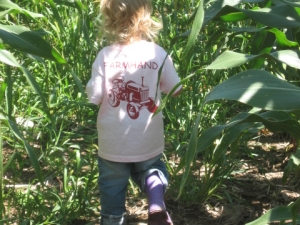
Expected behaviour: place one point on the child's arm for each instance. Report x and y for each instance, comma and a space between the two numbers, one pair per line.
95, 87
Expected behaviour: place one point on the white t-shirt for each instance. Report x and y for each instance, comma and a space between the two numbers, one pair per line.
125, 82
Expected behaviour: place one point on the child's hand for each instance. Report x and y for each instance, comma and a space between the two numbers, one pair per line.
177, 92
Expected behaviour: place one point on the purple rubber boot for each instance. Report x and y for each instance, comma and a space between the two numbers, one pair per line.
155, 194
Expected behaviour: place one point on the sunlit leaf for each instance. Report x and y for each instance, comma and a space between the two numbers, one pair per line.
233, 17
25, 40
283, 16
289, 57
281, 38
6, 4
258, 88
197, 25
2, 90
9, 91
231, 59
8, 58
277, 214
219, 8
292, 2
65, 2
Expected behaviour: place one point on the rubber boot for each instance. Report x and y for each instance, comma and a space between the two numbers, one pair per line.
114, 220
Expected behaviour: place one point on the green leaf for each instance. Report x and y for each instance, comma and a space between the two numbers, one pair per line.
281, 38
33, 158
25, 40
7, 58
12, 7
1, 173
253, 1
2, 90
277, 214
258, 88
192, 147
56, 208
86, 33
35, 86
247, 29
208, 137
183, 35
78, 83
196, 144
292, 3
262, 42
79, 6
9, 91
289, 57
65, 2
168, 96
231, 59
274, 120
284, 16
234, 17
197, 24
220, 8
295, 211
292, 165
11, 160
56, 15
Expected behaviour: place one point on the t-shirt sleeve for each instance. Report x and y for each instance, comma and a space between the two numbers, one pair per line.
95, 86
169, 77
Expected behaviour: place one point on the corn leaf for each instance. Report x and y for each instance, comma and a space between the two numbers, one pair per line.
277, 214
282, 39
12, 7
283, 16
25, 40
56, 15
35, 86
192, 147
197, 25
258, 88
8, 58
33, 158
230, 59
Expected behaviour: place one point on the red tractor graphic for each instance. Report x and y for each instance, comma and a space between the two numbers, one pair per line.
135, 94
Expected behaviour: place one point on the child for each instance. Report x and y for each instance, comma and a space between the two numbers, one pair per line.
127, 83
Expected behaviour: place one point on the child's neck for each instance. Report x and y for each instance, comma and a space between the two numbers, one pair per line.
132, 40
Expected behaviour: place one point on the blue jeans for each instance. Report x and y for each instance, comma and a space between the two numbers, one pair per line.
113, 181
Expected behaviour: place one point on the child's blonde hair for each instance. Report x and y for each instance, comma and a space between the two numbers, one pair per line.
124, 21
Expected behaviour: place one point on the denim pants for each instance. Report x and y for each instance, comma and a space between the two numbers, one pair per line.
113, 181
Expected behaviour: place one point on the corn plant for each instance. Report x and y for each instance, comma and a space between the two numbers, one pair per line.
225, 50
268, 59
42, 97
